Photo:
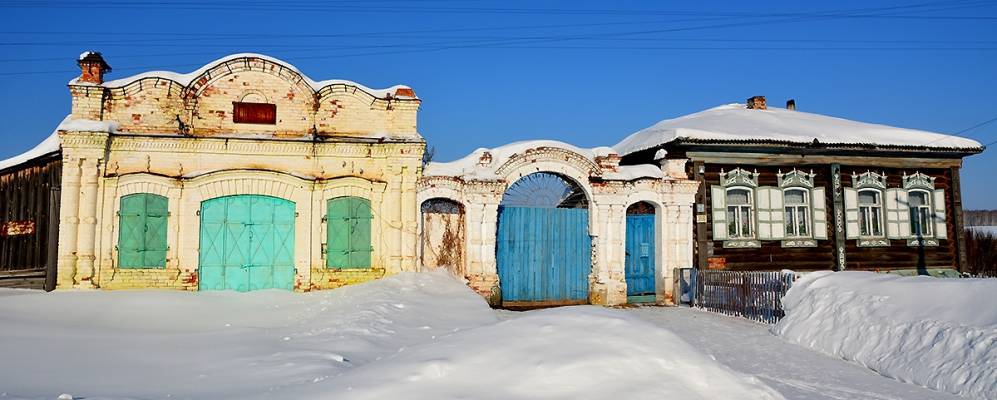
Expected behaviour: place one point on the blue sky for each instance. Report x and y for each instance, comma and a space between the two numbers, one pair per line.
585, 72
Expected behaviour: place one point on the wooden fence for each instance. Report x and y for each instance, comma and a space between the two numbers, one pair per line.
753, 295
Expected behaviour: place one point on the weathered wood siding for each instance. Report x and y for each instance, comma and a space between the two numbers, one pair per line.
772, 256
29, 204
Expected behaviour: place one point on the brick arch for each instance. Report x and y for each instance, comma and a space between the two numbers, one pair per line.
236, 182
246, 64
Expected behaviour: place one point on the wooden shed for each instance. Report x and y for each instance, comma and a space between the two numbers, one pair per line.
29, 219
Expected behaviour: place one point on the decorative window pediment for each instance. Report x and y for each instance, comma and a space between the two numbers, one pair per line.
739, 177
869, 179
918, 181
796, 178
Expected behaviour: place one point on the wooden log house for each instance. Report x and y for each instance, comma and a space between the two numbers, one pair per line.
784, 189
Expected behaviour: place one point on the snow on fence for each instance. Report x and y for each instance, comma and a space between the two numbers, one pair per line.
753, 295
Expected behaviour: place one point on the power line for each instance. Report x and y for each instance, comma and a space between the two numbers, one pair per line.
366, 8
424, 47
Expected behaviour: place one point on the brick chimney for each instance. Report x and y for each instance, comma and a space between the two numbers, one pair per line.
791, 105
757, 103
93, 67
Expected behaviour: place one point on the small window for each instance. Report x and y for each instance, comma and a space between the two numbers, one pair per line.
920, 213
870, 213
254, 113
739, 214
797, 208
142, 231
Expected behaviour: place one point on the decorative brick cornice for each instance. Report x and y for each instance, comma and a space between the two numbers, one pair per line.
553, 154
181, 144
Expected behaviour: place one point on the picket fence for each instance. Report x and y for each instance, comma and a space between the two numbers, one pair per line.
753, 295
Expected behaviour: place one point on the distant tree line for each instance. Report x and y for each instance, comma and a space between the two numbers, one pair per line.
981, 252
980, 217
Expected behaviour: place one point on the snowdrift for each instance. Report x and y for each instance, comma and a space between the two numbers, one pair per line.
938, 333
566, 353
217, 345
409, 336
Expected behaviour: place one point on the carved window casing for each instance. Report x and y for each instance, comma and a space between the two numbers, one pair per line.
734, 201
870, 203
796, 202
740, 213
876, 214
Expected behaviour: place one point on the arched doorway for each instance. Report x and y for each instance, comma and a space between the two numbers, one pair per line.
247, 243
543, 249
443, 235
640, 253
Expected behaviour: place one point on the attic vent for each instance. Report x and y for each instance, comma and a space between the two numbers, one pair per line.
254, 113
757, 103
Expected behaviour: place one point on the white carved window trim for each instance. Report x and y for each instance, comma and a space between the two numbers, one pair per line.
922, 215
794, 211
735, 220
866, 213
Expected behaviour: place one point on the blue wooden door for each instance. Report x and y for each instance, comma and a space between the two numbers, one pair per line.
247, 243
640, 255
543, 254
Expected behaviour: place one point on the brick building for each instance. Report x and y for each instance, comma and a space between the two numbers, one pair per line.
243, 175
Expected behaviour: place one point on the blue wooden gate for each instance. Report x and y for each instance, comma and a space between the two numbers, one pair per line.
640, 257
543, 255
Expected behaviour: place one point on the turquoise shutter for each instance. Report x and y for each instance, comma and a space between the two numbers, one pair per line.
338, 227
156, 214
348, 243
142, 221
131, 231
360, 247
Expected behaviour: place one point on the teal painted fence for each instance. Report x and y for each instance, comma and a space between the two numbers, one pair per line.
543, 254
247, 243
640, 255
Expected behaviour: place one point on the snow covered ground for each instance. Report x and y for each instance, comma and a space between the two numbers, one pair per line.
415, 336
797, 372
939, 333
410, 336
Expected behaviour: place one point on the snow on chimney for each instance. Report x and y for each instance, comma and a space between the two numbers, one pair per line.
757, 103
791, 105
92, 67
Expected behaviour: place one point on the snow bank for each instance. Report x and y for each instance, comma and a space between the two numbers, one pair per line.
409, 336
938, 333
186, 79
735, 122
565, 353
217, 345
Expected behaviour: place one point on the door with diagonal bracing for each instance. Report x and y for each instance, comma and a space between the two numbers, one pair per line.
247, 243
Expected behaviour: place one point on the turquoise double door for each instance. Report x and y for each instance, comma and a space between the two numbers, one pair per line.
247, 243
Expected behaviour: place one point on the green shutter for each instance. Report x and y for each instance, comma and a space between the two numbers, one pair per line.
360, 247
348, 241
142, 231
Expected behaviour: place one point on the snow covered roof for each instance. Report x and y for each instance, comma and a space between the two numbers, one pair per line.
51, 144
737, 123
471, 167
187, 78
